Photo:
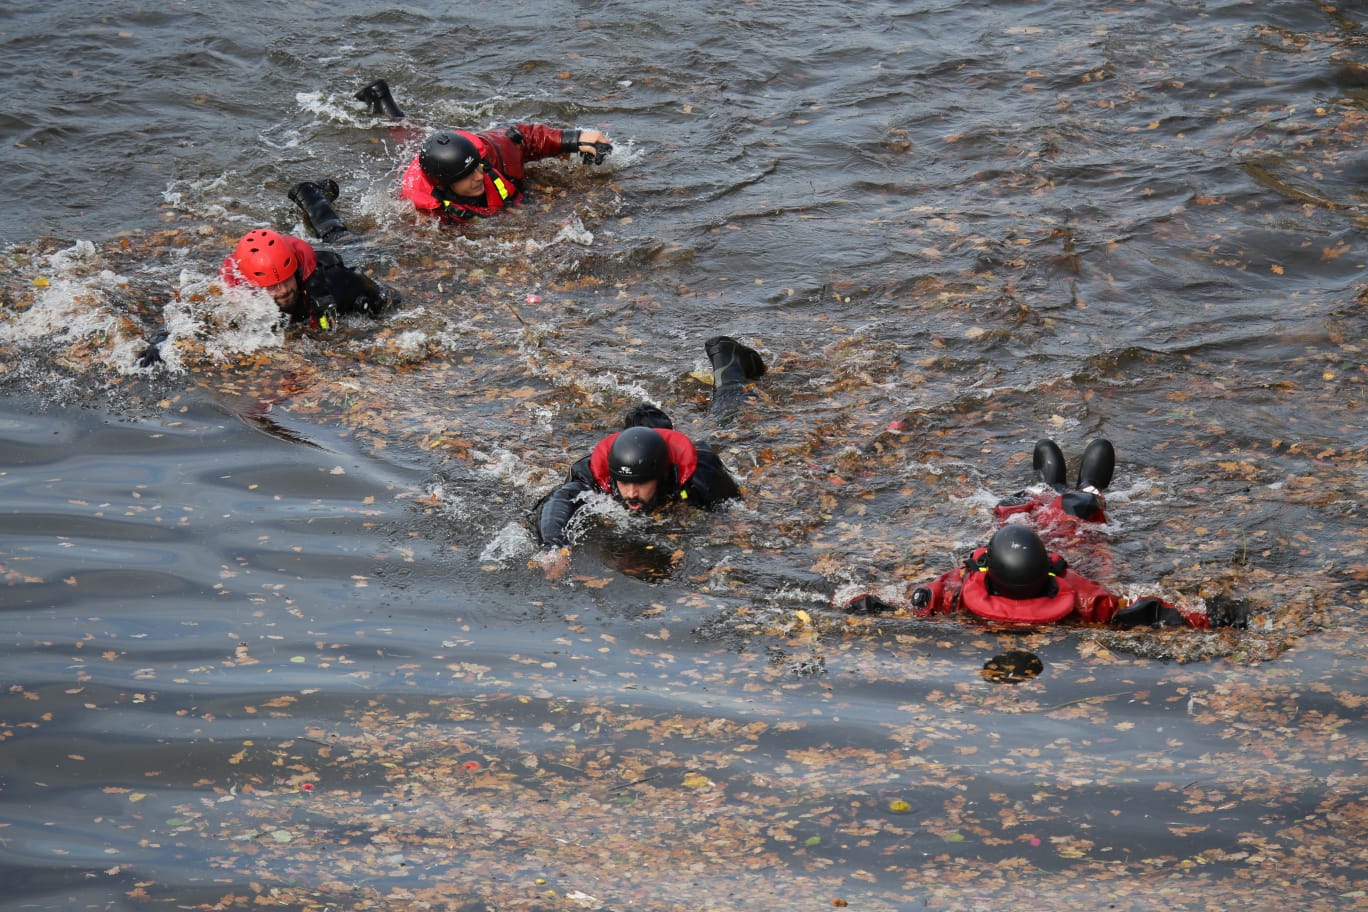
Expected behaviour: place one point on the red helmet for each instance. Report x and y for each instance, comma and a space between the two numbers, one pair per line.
264, 258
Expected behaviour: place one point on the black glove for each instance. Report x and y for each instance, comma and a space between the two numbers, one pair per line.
374, 298
324, 314
389, 300
454, 211
868, 604
601, 151
152, 354
332, 290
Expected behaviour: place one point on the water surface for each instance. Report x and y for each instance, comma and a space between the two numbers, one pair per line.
276, 634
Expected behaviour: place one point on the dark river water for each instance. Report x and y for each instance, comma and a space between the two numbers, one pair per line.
275, 633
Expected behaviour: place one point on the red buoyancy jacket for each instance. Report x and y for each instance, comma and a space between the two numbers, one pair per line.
1071, 596
683, 457
697, 477
504, 152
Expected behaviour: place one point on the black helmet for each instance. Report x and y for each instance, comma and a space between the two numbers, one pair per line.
1018, 565
447, 157
639, 454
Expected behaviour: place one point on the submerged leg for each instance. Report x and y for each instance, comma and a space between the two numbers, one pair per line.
1084, 504
733, 365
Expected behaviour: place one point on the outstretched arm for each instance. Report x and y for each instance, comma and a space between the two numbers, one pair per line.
557, 511
540, 141
346, 290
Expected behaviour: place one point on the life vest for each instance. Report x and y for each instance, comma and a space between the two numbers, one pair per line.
500, 191
683, 458
1044, 609
1057, 602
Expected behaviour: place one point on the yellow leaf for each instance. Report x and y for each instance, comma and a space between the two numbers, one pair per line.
696, 781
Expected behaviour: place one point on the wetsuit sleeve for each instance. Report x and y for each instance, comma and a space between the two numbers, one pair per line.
941, 594
710, 483
559, 507
337, 287
540, 141
1155, 612
1095, 604
557, 510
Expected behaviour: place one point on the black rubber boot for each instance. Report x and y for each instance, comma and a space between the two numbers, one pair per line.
1099, 461
1048, 463
733, 364
315, 200
377, 95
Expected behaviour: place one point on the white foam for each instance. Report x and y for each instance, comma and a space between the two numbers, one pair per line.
512, 542
228, 322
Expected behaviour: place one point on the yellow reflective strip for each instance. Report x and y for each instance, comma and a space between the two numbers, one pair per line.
501, 187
